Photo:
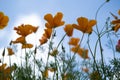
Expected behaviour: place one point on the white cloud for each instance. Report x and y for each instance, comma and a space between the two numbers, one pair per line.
32, 19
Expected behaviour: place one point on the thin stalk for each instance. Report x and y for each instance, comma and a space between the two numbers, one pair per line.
92, 55
50, 47
61, 41
10, 67
76, 50
34, 65
99, 40
26, 58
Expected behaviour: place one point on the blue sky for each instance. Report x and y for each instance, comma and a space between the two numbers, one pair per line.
33, 11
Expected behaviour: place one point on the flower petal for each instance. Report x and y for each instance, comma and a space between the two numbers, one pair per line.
43, 40
19, 40
49, 19
83, 22
10, 51
27, 46
74, 41
3, 21
119, 12
57, 19
68, 29
1, 15
116, 21
116, 27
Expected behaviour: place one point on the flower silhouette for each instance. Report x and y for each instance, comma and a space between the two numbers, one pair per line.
53, 22
25, 30
10, 51
84, 25
3, 20
68, 29
80, 51
74, 41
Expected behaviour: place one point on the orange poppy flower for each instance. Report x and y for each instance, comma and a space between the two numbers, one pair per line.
116, 24
27, 45
116, 27
20, 40
10, 51
25, 30
5, 72
43, 40
84, 25
68, 29
116, 21
74, 41
48, 32
3, 20
81, 52
119, 12
53, 22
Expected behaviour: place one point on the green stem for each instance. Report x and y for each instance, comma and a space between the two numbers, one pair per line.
99, 39
61, 41
92, 56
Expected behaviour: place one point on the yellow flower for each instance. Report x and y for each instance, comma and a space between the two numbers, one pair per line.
81, 52
10, 51
84, 25
3, 20
68, 29
74, 41
53, 22
25, 30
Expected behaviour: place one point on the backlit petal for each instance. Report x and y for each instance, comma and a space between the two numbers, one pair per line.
116, 21
83, 22
57, 19
49, 19
10, 51
74, 41
27, 46
68, 29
